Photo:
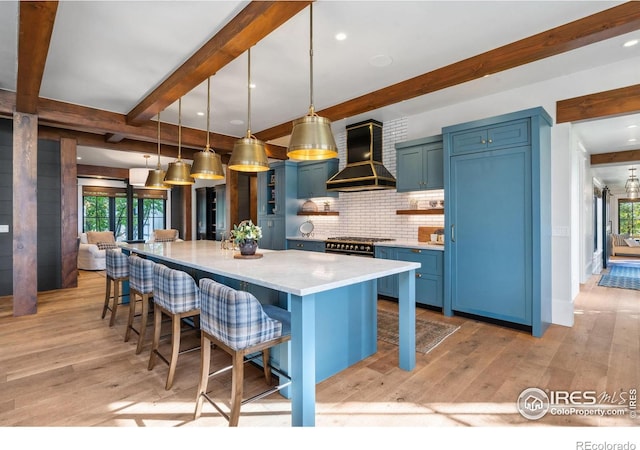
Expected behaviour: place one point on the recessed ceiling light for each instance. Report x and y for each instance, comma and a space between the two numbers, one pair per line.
632, 126
630, 43
252, 86
632, 140
341, 36
236, 122
380, 61
78, 157
199, 113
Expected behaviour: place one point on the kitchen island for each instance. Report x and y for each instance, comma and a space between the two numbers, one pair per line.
332, 299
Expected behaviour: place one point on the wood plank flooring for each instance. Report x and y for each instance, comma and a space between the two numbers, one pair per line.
64, 366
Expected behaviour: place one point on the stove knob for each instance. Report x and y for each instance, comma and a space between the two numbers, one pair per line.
368, 248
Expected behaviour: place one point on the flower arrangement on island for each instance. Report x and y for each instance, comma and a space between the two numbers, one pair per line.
246, 231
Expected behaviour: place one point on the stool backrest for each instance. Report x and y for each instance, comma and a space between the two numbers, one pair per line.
141, 274
235, 317
117, 263
174, 290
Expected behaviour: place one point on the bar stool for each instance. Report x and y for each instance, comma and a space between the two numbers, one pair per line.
236, 322
140, 290
117, 266
176, 295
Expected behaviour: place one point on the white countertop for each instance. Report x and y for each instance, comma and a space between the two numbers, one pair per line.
296, 272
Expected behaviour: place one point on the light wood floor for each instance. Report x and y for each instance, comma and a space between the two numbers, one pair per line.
64, 366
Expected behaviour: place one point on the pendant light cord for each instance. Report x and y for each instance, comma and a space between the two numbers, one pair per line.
208, 109
159, 140
179, 128
249, 93
311, 109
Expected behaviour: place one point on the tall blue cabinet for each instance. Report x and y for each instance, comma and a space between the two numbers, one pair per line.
278, 204
498, 218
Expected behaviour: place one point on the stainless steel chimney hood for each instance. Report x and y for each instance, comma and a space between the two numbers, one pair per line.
364, 170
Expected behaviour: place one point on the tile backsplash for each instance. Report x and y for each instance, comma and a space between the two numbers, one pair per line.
373, 213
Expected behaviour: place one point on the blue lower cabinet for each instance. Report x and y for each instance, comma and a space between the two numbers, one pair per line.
387, 286
429, 277
300, 244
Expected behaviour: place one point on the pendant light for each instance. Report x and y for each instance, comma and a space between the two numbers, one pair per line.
207, 164
311, 136
179, 172
632, 186
155, 179
249, 154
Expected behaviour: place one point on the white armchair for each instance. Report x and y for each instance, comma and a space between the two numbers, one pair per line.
91, 251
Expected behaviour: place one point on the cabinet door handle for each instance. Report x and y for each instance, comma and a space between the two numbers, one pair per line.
415, 250
483, 141
453, 233
490, 141
418, 275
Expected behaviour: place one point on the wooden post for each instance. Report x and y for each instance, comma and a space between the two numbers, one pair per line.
25, 207
69, 212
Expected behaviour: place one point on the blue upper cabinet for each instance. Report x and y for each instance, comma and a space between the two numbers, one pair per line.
491, 137
420, 165
497, 204
313, 176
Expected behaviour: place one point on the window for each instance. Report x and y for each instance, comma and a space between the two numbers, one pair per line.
96, 213
106, 209
151, 218
629, 216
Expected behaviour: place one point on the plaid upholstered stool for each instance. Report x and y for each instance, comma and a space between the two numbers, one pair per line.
236, 322
176, 295
140, 290
117, 265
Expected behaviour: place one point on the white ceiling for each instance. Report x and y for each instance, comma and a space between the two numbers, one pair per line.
111, 54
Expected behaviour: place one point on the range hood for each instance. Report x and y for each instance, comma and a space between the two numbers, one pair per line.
364, 170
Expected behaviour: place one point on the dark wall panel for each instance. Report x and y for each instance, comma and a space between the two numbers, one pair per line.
49, 216
6, 208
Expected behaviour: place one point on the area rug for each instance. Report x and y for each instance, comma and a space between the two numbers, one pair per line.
429, 333
621, 276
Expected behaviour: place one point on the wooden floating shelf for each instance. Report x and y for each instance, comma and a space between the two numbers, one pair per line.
318, 213
420, 211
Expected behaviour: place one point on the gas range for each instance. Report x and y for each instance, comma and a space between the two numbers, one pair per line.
352, 245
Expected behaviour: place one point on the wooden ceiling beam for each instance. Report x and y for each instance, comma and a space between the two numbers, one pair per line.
620, 101
72, 117
257, 20
604, 25
626, 156
34, 36
115, 173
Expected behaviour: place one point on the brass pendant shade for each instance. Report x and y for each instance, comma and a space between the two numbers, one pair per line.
249, 154
179, 172
312, 139
207, 164
311, 136
155, 178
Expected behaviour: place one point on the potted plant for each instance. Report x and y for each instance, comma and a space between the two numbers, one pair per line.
246, 236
